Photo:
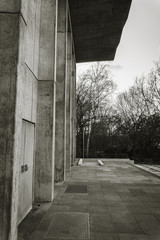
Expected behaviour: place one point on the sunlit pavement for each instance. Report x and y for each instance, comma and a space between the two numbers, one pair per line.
154, 169
118, 201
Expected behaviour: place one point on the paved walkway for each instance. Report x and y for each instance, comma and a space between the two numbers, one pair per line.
155, 169
115, 202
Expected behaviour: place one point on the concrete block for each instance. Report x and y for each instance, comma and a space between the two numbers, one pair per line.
80, 162
100, 163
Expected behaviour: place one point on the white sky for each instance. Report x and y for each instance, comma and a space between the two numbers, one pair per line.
139, 45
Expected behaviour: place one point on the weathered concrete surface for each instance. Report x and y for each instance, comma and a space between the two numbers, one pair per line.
61, 79
10, 6
27, 94
68, 103
122, 202
18, 38
44, 163
9, 35
97, 27
45, 127
26, 101
73, 109
47, 39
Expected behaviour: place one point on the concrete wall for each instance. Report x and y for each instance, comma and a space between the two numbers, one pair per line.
19, 65
33, 64
8, 84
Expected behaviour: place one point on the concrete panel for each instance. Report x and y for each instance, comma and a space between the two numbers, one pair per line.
9, 34
10, 6
28, 93
22, 43
44, 165
26, 170
37, 38
27, 79
31, 18
62, 10
30, 96
47, 39
34, 100
30, 34
61, 81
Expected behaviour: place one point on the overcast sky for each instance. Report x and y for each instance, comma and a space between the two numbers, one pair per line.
139, 45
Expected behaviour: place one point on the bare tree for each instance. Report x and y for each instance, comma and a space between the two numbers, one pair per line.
94, 89
138, 111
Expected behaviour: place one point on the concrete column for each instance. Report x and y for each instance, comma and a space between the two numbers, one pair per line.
61, 78
45, 127
9, 158
69, 104
73, 109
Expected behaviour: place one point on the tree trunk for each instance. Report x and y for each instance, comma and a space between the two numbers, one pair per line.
88, 138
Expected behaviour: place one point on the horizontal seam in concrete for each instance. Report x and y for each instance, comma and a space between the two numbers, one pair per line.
14, 13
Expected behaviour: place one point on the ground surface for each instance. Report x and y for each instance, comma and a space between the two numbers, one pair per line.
115, 202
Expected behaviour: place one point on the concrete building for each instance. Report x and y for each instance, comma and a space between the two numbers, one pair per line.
40, 43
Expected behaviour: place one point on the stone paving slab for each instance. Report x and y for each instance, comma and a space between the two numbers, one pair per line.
132, 237
122, 202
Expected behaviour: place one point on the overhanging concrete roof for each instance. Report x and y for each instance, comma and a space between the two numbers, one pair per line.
97, 26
